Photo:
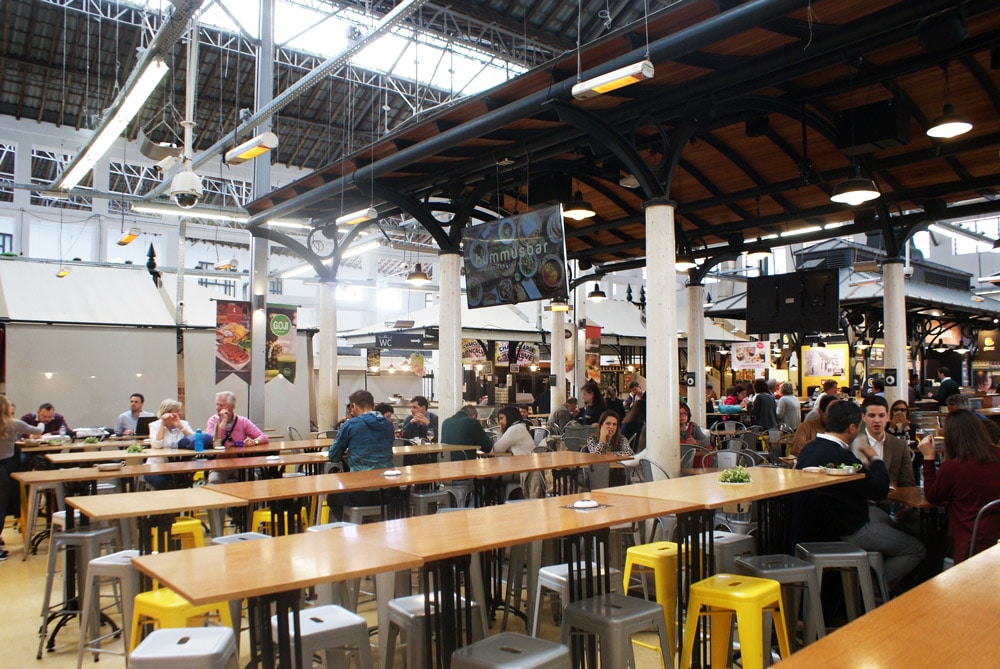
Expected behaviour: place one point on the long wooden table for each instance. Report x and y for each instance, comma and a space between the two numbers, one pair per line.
77, 458
944, 622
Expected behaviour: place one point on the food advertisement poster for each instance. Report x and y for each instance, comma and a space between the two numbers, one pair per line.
828, 362
592, 353
374, 360
281, 325
232, 339
517, 259
527, 354
755, 355
501, 354
473, 352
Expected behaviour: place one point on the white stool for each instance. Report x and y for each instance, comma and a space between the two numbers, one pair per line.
186, 648
556, 578
333, 630
512, 651
342, 593
117, 565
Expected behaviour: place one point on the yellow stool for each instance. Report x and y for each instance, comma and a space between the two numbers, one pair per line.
187, 530
165, 608
660, 558
265, 518
746, 596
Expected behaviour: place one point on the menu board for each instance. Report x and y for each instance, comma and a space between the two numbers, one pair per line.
517, 259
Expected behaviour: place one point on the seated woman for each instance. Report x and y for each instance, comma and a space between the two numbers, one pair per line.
899, 422
515, 436
593, 404
166, 432
609, 438
966, 480
690, 432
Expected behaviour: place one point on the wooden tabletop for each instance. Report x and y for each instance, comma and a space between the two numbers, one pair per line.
68, 475
441, 536
151, 502
29, 446
86, 457
944, 622
324, 484
706, 490
265, 567
425, 449
911, 496
270, 447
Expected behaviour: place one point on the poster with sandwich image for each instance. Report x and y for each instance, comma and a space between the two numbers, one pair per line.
280, 351
232, 339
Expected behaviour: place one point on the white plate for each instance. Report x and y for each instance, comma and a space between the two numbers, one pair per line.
815, 470
273, 458
218, 448
110, 466
733, 482
585, 504
392, 472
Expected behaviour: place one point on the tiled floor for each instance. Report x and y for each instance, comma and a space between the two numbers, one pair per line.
22, 585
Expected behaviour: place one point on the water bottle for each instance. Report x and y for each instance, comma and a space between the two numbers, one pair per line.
199, 441
63, 437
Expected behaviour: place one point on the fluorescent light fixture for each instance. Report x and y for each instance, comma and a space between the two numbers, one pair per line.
605, 83
131, 101
357, 249
253, 147
949, 124
129, 236
758, 254
683, 262
557, 305
418, 277
801, 231
992, 278
62, 273
232, 263
864, 282
579, 209
836, 224
292, 225
359, 216
856, 190
163, 208
597, 295
298, 270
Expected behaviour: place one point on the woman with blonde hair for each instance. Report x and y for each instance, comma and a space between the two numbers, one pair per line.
10, 429
166, 432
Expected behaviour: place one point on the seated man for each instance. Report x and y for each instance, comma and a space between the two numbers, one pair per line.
464, 428
809, 428
840, 512
47, 418
421, 422
126, 422
228, 429
562, 415
366, 440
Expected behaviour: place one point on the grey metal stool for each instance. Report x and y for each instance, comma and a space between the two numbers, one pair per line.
877, 563
614, 618
729, 546
429, 501
853, 564
406, 618
512, 651
186, 648
117, 565
332, 630
87, 543
342, 593
790, 572
40, 489
556, 578
358, 514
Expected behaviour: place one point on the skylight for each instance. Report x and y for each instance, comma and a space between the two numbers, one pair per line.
322, 29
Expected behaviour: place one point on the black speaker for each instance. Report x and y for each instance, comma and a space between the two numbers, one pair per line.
890, 378
689, 379
871, 127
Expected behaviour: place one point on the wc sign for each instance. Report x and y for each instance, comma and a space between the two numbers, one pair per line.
399, 340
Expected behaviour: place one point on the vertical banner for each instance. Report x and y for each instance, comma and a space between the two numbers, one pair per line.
592, 353
281, 327
232, 339
501, 354
374, 360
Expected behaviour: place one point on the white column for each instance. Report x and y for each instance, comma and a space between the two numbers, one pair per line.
449, 386
696, 351
557, 393
662, 377
327, 400
894, 309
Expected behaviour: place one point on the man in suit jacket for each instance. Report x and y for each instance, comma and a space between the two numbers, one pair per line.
948, 387
893, 450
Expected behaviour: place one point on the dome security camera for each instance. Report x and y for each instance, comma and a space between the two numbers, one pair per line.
186, 188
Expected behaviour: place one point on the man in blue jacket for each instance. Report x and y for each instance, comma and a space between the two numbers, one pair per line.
366, 439
840, 512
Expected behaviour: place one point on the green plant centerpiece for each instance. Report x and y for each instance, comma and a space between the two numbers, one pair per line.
135, 448
735, 475
91, 440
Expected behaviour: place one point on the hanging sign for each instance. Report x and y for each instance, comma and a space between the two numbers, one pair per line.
232, 339
592, 353
281, 326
